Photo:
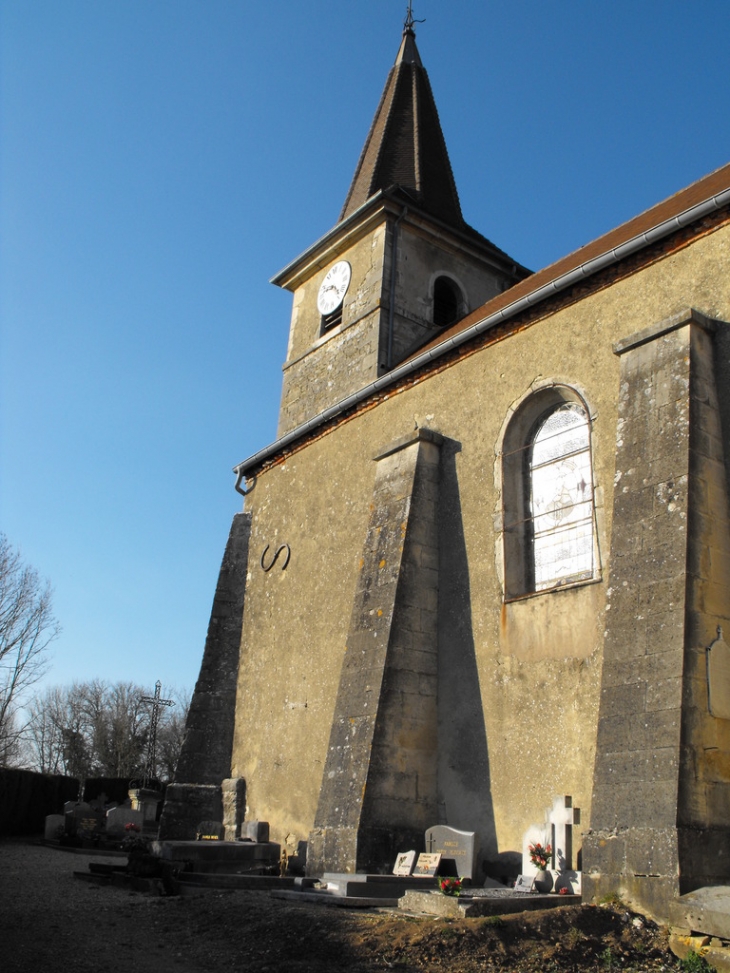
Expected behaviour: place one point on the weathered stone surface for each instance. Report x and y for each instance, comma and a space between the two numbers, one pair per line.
651, 811
379, 781
233, 800
518, 681
186, 805
705, 911
205, 758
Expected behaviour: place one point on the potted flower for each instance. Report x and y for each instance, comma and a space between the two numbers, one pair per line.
540, 856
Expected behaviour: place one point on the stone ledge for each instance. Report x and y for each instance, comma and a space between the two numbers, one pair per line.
687, 315
418, 435
461, 907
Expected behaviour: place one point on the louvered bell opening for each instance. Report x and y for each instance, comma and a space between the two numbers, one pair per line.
330, 321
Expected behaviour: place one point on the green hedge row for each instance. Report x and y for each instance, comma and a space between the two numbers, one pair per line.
27, 797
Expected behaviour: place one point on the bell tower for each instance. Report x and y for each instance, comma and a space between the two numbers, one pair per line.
401, 264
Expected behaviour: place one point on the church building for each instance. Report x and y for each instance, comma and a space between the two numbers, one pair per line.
487, 560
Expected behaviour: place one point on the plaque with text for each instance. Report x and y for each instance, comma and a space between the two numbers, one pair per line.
404, 863
427, 864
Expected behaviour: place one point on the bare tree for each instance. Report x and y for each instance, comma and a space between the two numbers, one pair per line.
47, 717
27, 626
170, 735
97, 728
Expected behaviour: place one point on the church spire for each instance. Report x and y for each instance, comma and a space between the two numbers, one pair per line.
405, 148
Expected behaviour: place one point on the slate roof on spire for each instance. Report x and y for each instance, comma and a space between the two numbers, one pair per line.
405, 147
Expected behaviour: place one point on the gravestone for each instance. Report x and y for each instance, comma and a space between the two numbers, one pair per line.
404, 863
458, 850
147, 800
82, 821
210, 831
118, 818
256, 831
557, 832
718, 677
55, 826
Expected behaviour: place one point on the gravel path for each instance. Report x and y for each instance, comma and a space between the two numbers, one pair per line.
51, 922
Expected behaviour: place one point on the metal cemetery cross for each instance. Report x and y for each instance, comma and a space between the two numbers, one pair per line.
154, 720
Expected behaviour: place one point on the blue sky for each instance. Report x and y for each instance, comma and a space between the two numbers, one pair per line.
162, 159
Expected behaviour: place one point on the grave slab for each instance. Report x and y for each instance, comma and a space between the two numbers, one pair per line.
494, 904
220, 856
706, 910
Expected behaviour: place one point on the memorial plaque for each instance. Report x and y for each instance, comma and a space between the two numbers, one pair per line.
209, 831
525, 883
427, 864
718, 677
457, 849
404, 863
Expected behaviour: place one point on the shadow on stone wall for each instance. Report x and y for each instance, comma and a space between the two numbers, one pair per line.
465, 799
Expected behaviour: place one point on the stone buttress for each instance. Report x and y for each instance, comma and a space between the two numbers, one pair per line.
202, 780
378, 791
659, 823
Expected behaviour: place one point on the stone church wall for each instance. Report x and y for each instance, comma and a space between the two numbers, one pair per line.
321, 368
519, 683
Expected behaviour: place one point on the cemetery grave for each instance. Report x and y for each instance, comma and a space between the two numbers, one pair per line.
47, 916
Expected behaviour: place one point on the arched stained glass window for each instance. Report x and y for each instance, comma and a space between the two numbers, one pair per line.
561, 498
549, 517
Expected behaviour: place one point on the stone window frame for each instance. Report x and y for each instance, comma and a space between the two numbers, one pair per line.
519, 431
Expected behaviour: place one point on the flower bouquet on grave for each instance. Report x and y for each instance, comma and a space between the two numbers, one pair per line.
133, 841
540, 855
141, 862
450, 886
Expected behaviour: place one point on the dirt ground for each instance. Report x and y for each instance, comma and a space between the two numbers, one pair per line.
51, 922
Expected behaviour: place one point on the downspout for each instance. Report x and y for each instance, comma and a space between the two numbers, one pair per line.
239, 489
391, 303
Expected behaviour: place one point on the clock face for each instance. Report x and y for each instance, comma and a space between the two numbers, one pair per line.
334, 287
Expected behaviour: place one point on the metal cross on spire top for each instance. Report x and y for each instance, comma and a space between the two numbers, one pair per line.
409, 21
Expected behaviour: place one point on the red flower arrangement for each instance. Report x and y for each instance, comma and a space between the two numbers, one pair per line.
450, 886
540, 855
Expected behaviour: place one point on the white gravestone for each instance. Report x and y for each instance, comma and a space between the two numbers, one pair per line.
404, 863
